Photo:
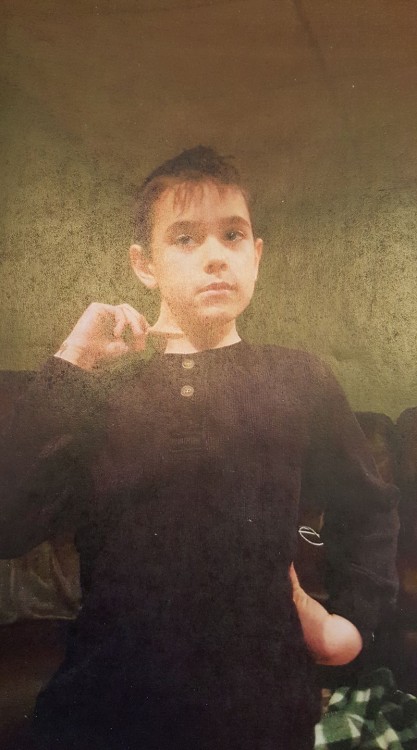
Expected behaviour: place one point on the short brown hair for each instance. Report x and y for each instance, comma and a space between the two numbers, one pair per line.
198, 164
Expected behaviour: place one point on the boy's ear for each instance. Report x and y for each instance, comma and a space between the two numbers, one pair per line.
142, 266
259, 246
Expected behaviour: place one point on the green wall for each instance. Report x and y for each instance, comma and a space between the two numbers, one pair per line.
319, 108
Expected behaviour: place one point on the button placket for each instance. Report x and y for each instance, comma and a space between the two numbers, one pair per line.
187, 364
188, 433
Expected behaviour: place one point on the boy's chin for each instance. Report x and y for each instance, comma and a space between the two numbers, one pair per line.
220, 314
214, 318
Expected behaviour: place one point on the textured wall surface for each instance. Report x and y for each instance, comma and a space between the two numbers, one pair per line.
315, 98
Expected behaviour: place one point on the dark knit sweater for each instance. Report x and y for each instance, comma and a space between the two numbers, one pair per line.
183, 478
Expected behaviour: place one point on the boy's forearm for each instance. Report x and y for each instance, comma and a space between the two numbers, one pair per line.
333, 640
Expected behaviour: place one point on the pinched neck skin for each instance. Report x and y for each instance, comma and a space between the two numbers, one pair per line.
176, 338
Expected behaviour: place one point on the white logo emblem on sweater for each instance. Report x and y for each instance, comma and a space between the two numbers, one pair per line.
310, 536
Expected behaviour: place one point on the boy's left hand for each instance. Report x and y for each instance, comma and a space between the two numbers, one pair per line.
331, 639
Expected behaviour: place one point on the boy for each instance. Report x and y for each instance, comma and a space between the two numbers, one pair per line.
182, 477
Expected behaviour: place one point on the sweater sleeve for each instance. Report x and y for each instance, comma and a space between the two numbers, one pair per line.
44, 451
360, 526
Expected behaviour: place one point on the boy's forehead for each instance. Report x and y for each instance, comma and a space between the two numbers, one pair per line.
200, 201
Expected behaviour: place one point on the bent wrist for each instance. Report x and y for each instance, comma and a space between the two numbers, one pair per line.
76, 355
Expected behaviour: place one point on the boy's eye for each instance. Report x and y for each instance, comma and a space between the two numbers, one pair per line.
234, 235
184, 240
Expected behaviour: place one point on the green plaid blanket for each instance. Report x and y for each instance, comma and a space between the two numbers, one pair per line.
370, 716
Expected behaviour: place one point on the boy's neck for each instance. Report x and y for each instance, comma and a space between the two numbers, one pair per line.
174, 339
188, 345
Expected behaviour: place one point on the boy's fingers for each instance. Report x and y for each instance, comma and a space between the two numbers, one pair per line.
134, 312
102, 328
137, 322
121, 321
138, 327
294, 576
116, 348
296, 586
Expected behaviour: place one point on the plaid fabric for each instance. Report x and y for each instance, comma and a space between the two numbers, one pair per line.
372, 715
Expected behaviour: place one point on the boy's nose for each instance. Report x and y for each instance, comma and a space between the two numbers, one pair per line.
215, 257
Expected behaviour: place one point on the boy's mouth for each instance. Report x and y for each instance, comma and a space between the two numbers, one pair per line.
217, 286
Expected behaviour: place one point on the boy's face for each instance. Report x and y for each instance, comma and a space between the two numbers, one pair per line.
204, 256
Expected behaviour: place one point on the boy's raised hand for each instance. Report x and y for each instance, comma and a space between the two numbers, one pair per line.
103, 332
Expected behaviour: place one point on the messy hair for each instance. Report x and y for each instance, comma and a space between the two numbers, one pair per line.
191, 167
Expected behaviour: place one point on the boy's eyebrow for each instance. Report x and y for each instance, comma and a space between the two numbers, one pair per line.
236, 220
186, 226
182, 226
